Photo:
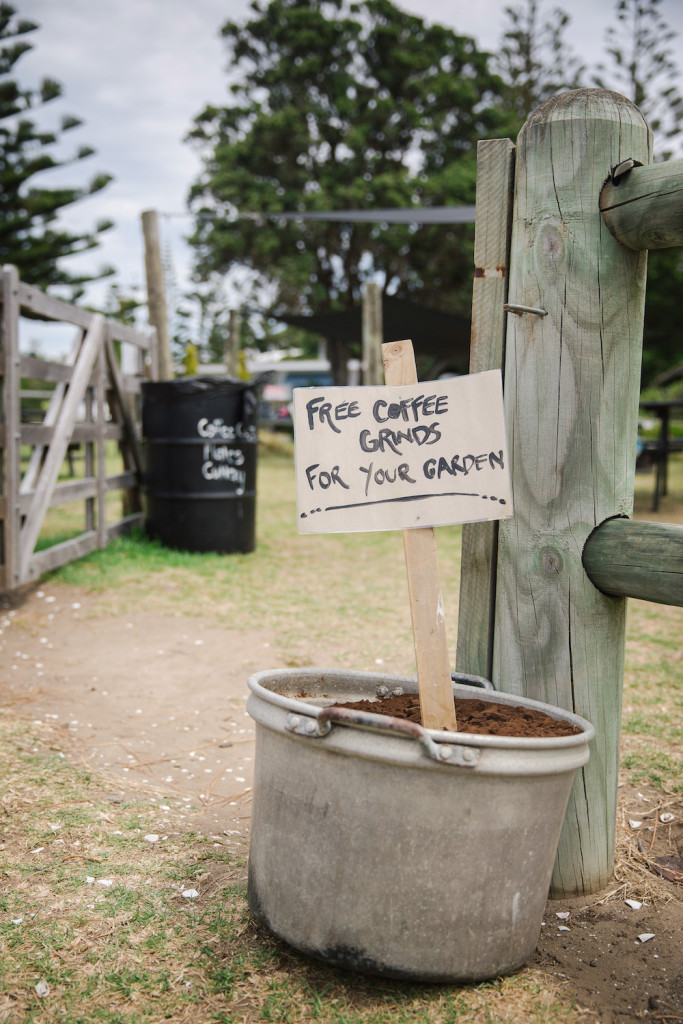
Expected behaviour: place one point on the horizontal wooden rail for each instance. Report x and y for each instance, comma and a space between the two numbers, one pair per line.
38, 433
32, 300
623, 558
643, 208
43, 369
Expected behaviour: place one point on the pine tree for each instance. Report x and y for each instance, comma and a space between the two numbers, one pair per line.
644, 69
34, 235
534, 59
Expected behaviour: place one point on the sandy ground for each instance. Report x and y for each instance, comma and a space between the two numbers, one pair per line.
162, 700
142, 696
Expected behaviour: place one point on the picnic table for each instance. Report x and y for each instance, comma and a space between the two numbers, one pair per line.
661, 447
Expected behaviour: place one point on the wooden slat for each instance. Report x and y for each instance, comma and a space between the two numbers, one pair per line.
69, 490
426, 597
100, 392
32, 300
43, 369
495, 180
10, 458
58, 555
49, 472
571, 399
635, 559
131, 432
122, 481
35, 461
644, 208
39, 434
140, 339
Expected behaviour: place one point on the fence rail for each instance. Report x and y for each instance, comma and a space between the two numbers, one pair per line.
80, 404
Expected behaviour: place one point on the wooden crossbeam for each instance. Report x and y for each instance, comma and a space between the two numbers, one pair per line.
643, 207
644, 560
437, 708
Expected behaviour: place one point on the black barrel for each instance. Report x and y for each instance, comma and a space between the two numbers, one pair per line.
199, 458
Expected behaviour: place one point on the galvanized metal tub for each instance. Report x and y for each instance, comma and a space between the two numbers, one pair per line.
384, 847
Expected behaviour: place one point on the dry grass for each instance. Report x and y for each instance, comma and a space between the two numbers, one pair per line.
136, 950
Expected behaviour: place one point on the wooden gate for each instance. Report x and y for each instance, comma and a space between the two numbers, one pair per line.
87, 402
563, 222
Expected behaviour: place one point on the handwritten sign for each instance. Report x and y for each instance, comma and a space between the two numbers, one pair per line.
398, 458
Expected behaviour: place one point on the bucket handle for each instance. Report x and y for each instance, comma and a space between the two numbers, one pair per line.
444, 753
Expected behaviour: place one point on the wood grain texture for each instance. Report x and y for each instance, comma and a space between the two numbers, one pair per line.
495, 179
643, 560
644, 208
373, 333
572, 389
63, 429
437, 709
10, 414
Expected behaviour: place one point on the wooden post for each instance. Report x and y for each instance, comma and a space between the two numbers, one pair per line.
437, 709
373, 334
232, 343
643, 207
644, 560
156, 293
10, 413
101, 391
571, 393
495, 179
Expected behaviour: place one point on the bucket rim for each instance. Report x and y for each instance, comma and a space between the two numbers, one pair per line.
256, 681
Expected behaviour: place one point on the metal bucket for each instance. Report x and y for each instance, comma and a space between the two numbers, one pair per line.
384, 847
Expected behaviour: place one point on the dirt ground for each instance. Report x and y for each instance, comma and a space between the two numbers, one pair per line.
162, 700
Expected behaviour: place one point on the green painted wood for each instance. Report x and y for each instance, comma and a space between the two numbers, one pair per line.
643, 208
571, 396
644, 560
495, 178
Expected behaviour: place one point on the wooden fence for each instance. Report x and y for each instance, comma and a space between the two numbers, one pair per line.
88, 401
563, 222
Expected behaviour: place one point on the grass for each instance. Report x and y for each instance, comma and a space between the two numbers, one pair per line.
136, 950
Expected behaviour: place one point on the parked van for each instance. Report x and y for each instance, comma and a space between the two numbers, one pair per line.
276, 403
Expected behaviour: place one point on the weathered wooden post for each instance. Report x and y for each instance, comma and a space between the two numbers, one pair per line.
373, 334
232, 343
10, 425
572, 378
156, 296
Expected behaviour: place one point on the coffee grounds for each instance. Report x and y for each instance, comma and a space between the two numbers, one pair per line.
478, 716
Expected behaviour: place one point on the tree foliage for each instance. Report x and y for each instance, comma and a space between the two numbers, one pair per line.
534, 59
333, 108
31, 235
643, 67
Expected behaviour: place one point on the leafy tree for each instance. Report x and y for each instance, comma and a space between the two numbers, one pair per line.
334, 108
30, 235
535, 60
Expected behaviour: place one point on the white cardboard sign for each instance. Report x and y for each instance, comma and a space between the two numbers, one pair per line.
398, 458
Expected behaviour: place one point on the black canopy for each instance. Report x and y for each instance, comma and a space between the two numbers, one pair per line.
441, 340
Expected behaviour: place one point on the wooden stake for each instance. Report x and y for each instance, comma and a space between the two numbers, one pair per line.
426, 598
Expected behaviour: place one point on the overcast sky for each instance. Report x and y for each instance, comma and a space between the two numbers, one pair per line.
138, 71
